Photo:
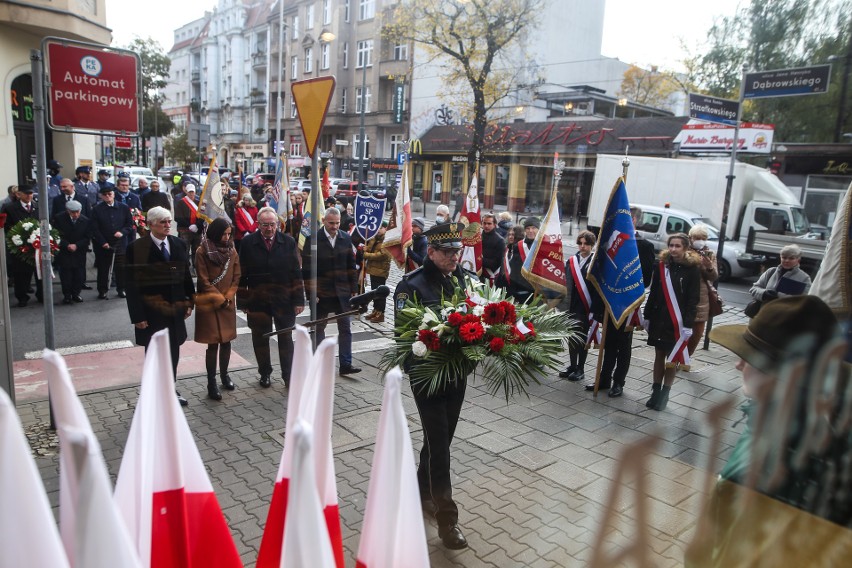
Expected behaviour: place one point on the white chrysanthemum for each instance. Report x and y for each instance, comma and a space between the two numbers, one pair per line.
446, 312
419, 349
17, 240
33, 237
27, 226
478, 311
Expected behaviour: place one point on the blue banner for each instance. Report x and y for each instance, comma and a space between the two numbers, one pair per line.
369, 213
615, 272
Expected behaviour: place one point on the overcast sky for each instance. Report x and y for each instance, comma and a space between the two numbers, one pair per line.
645, 32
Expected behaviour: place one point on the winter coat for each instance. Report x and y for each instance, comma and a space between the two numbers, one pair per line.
378, 260
771, 280
686, 281
216, 322
709, 274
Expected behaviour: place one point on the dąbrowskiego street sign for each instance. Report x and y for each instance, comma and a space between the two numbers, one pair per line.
787, 82
712, 109
92, 88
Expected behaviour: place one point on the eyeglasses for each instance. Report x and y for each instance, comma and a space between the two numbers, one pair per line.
267, 224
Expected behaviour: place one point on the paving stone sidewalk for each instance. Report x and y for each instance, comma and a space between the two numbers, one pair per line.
533, 478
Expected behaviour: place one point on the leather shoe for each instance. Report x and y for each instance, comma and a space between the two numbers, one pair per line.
77, 299
615, 391
452, 537
567, 373
265, 381
122, 294
67, 300
349, 370
87, 287
23, 303
103, 296
227, 383
577, 376
602, 387
213, 392
181, 400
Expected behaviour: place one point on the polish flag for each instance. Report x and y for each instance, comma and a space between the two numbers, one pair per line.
28, 535
311, 398
399, 233
91, 526
392, 533
306, 542
163, 491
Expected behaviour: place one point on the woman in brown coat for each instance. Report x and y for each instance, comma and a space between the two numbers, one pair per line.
377, 262
698, 236
218, 269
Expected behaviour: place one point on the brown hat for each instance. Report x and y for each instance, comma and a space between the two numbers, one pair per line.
793, 326
446, 236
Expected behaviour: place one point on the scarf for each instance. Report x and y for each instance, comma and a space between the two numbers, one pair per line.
217, 253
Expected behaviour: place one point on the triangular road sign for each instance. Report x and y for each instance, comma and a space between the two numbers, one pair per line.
313, 97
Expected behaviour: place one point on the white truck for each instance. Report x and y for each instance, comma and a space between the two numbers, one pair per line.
760, 202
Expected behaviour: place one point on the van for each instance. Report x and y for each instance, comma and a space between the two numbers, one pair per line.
658, 223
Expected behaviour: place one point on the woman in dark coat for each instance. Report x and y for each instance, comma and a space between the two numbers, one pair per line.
676, 281
218, 268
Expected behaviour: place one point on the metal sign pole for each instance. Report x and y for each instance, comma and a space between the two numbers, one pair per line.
7, 376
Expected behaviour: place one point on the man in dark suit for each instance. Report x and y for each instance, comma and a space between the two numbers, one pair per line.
68, 193
271, 278
160, 291
337, 282
493, 248
22, 272
111, 227
75, 230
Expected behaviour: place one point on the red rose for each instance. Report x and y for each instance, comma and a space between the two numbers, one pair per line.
430, 339
470, 332
496, 344
493, 314
509, 309
455, 319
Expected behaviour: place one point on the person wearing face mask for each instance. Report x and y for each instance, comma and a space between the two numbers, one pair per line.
670, 314
442, 214
698, 235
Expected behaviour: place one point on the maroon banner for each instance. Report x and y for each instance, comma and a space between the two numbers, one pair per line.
92, 88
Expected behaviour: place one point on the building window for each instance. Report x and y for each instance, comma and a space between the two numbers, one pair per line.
295, 148
293, 112
366, 99
356, 147
346, 10
366, 9
309, 17
346, 55
294, 66
295, 27
342, 101
397, 145
325, 55
400, 52
326, 11
365, 54
309, 59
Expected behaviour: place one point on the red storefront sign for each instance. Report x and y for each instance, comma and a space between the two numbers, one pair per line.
123, 142
92, 88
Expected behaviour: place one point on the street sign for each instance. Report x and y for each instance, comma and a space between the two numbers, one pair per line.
787, 82
313, 98
712, 109
400, 159
398, 102
123, 142
92, 88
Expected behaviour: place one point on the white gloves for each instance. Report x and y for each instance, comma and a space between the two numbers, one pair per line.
193, 228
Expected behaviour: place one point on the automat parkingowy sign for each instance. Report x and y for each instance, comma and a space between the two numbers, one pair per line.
92, 88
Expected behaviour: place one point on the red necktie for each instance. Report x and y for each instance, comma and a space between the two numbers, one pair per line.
268, 244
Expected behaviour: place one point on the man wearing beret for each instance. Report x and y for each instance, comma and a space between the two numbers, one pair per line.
519, 288
75, 230
111, 227
440, 275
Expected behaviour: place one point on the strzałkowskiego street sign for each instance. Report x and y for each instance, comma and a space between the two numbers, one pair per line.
712, 109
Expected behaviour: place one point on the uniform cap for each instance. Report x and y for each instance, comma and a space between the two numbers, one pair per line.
446, 236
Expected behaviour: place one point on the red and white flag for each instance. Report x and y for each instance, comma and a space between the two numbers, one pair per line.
472, 236
544, 266
392, 533
306, 541
28, 534
91, 526
163, 491
398, 236
311, 398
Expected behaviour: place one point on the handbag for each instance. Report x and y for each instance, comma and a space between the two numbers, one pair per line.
715, 301
752, 308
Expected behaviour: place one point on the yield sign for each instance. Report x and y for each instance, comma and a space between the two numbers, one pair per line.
312, 97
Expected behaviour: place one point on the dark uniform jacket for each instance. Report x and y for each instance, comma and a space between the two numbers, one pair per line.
272, 277
336, 274
158, 291
87, 190
106, 221
79, 233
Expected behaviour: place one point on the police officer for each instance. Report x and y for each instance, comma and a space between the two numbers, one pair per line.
103, 182
84, 186
439, 413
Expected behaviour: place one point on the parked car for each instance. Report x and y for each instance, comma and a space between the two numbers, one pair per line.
267, 178
136, 172
167, 173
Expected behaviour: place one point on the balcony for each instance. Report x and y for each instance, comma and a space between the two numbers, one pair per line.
258, 99
195, 76
259, 59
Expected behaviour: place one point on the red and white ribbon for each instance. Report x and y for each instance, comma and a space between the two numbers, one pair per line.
593, 337
637, 321
679, 354
37, 256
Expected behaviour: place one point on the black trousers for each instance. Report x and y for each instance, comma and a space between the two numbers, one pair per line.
103, 262
174, 349
617, 352
259, 323
439, 415
375, 282
22, 276
73, 277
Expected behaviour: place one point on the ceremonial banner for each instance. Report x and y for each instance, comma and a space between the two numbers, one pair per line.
369, 213
472, 235
163, 491
91, 526
398, 236
544, 266
392, 533
212, 204
831, 283
615, 272
281, 192
28, 535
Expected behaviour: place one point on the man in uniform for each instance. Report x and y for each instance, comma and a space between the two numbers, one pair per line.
53, 167
439, 413
75, 230
103, 181
111, 227
493, 248
22, 272
85, 187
